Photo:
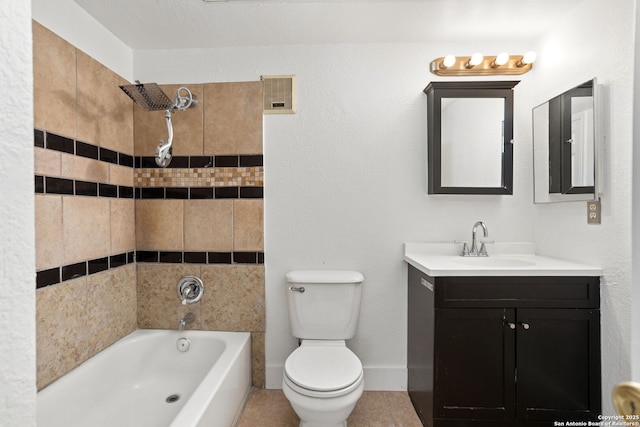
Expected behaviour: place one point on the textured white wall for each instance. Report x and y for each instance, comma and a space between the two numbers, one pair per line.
597, 40
345, 178
635, 331
17, 246
75, 25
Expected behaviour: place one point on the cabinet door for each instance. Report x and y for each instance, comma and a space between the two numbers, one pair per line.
475, 366
558, 374
420, 331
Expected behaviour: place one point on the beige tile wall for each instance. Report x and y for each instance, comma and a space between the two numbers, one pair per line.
233, 118
78, 318
54, 74
226, 121
79, 98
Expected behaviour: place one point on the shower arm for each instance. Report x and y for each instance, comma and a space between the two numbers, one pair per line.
163, 152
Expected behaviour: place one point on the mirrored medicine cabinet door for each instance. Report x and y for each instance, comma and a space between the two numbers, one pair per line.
470, 132
565, 146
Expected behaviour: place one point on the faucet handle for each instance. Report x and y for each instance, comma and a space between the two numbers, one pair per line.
483, 248
465, 247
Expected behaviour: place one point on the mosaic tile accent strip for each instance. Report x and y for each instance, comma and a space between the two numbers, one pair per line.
200, 177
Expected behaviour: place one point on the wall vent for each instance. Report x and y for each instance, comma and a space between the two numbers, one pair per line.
279, 94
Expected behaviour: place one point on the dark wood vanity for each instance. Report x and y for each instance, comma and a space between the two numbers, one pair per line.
503, 351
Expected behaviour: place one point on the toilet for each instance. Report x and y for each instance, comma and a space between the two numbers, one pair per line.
323, 379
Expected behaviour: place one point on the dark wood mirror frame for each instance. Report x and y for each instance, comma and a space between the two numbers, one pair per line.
560, 115
490, 89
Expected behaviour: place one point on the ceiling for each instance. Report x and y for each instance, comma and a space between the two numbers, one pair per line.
184, 24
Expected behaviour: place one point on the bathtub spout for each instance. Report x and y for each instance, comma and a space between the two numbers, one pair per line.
188, 319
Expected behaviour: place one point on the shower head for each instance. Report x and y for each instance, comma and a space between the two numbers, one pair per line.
149, 96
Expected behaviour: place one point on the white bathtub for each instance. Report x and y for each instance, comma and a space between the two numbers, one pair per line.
127, 384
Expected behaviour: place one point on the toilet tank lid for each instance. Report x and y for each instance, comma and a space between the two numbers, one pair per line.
324, 276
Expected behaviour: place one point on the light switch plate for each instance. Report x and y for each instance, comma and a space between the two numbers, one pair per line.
593, 212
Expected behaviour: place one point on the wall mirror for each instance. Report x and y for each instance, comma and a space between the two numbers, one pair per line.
565, 146
470, 137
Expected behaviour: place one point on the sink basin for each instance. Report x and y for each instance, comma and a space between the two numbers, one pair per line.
494, 262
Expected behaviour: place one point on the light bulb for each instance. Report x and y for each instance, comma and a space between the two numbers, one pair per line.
501, 59
528, 57
475, 59
448, 61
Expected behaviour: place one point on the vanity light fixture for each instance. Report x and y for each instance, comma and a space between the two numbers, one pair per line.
478, 65
500, 60
476, 59
448, 61
527, 59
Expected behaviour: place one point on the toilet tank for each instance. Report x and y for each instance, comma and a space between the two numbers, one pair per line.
324, 304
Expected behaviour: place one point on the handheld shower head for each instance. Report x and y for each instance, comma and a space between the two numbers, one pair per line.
184, 99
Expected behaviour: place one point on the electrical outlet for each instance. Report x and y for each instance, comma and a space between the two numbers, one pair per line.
593, 212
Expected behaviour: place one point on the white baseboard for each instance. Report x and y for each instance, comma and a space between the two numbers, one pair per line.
387, 378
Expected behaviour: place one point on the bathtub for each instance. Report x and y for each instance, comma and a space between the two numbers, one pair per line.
143, 380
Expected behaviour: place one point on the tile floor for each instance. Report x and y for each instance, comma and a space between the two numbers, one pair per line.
269, 408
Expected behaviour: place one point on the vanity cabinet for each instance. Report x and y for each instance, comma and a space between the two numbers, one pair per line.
503, 351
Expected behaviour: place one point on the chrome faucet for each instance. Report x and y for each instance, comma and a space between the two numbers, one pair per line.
188, 319
474, 251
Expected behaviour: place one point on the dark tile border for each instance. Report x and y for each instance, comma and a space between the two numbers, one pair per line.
38, 138
58, 185
53, 185
221, 161
52, 141
39, 184
89, 151
53, 276
200, 257
73, 271
199, 193
60, 274
59, 143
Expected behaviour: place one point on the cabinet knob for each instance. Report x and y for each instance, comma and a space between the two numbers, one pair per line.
511, 325
524, 325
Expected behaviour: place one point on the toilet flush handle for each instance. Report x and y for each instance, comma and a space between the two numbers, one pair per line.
299, 289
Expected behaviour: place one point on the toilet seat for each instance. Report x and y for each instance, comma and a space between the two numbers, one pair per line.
323, 369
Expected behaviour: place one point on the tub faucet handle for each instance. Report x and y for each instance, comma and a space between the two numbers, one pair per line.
190, 289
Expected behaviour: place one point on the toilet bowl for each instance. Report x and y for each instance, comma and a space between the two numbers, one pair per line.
323, 381
322, 378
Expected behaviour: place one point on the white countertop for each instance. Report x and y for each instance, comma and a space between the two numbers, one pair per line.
505, 259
